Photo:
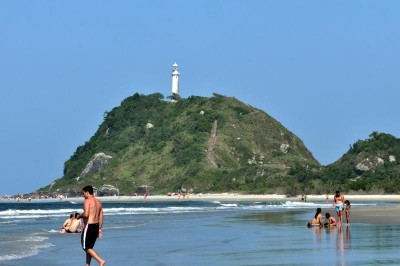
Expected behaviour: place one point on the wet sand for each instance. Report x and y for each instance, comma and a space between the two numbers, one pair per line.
375, 215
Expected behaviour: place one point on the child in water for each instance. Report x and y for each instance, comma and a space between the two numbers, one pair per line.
329, 221
347, 211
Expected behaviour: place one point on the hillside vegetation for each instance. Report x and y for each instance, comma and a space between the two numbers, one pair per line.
167, 146
217, 144
370, 165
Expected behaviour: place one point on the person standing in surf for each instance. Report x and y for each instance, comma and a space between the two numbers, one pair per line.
347, 211
338, 201
93, 219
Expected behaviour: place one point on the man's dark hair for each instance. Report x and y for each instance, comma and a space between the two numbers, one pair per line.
88, 189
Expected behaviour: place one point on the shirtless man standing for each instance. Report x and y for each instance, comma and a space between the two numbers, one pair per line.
338, 201
93, 219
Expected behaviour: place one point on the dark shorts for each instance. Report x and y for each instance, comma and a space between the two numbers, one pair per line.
70, 232
89, 235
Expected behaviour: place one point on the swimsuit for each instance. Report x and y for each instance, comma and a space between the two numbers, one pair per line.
89, 235
339, 207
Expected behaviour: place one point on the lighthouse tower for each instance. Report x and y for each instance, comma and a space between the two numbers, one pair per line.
175, 80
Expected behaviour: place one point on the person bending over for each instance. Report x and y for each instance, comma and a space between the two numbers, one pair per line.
329, 221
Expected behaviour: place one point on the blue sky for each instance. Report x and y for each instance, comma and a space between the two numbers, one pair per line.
327, 70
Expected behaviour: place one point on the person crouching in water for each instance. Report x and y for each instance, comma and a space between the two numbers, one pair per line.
329, 221
317, 220
76, 225
67, 224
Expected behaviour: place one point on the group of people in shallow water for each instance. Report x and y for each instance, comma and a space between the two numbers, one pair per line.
72, 225
340, 205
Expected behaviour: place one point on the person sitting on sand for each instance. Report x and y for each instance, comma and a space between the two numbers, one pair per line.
347, 211
76, 225
329, 221
317, 220
67, 224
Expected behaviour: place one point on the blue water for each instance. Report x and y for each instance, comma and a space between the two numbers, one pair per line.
194, 233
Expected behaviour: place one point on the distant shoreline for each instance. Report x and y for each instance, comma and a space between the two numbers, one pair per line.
378, 215
223, 197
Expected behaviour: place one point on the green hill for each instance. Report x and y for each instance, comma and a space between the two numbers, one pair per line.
370, 165
216, 144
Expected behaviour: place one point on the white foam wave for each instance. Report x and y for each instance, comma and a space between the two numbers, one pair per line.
36, 211
142, 210
16, 215
301, 204
34, 214
304, 205
29, 249
230, 205
32, 239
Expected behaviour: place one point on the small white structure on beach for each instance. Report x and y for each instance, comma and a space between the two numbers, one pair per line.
175, 79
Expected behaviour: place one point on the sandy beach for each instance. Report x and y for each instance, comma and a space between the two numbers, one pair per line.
229, 197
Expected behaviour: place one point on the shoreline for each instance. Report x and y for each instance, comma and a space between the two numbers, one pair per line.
377, 215
223, 197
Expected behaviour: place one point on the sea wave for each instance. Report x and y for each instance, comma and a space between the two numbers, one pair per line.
17, 214
22, 250
34, 213
306, 205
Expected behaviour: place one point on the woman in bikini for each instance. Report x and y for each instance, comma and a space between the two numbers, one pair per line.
317, 220
338, 201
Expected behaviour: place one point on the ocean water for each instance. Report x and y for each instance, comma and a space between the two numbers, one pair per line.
194, 233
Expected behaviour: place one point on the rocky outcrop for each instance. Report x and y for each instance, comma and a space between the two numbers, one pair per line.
108, 190
149, 126
285, 147
145, 189
369, 164
98, 162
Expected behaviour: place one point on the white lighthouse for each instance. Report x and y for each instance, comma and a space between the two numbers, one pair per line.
175, 80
